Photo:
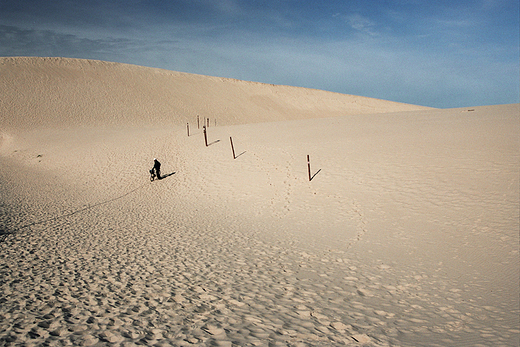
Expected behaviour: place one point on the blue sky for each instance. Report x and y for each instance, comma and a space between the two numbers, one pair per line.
432, 53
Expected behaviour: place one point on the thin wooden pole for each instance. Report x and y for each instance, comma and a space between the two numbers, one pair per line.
198, 124
205, 136
188, 128
309, 167
207, 121
232, 148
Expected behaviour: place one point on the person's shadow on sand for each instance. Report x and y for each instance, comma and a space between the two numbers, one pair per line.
167, 175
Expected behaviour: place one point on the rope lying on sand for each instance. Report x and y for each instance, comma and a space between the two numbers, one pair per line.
4, 233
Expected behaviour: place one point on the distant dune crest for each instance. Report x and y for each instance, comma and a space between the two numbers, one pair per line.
50, 92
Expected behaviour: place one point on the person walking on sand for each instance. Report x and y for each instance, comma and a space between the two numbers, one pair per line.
157, 168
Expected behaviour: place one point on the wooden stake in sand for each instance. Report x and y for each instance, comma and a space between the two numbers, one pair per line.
198, 124
188, 128
309, 167
205, 136
232, 148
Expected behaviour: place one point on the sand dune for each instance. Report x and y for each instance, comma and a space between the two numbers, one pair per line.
406, 236
59, 92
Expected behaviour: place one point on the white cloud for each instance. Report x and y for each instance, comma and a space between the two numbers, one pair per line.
361, 23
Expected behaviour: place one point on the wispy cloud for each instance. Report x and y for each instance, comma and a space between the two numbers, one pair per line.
29, 42
361, 23
229, 7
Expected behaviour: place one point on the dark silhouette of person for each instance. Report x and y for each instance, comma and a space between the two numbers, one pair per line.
157, 168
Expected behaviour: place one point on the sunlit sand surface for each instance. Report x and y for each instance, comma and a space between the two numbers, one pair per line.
407, 234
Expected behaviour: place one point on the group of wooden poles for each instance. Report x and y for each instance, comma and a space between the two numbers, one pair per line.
206, 123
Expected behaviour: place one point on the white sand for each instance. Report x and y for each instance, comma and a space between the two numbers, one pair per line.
407, 235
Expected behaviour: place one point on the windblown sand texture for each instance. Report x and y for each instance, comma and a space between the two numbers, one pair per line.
407, 235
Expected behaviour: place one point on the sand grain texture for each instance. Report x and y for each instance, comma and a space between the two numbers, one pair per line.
406, 236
